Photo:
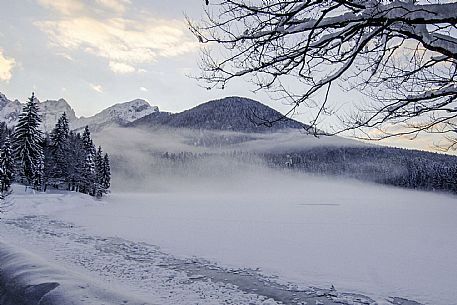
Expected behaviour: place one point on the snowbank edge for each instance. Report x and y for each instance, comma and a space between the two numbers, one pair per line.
26, 279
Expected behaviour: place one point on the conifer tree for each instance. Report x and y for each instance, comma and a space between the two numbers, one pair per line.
60, 151
99, 163
106, 175
87, 141
99, 189
27, 144
49, 164
6, 165
61, 131
4, 132
88, 173
38, 173
76, 162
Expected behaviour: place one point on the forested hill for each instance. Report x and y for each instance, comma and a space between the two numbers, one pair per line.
406, 168
228, 114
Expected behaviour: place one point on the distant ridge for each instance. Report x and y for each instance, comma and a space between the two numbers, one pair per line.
234, 113
119, 114
228, 114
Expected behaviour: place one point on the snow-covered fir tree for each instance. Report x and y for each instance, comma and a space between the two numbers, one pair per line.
87, 142
4, 132
27, 145
76, 160
39, 173
59, 150
106, 173
89, 172
99, 163
6, 165
89, 175
99, 189
60, 133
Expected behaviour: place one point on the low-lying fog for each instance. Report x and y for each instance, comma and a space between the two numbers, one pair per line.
138, 163
360, 237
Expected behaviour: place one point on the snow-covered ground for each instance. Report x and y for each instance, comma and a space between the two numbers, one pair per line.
27, 279
202, 243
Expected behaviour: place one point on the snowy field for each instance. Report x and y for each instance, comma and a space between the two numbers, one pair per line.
298, 231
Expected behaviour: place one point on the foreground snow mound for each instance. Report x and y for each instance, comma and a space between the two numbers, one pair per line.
27, 280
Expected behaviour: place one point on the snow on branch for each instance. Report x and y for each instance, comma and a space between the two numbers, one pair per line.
397, 53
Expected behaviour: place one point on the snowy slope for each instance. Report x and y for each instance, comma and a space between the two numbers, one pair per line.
117, 115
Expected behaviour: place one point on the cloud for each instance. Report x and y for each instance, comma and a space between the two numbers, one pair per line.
66, 56
6, 66
144, 89
97, 88
121, 68
64, 7
118, 6
434, 139
75, 7
126, 44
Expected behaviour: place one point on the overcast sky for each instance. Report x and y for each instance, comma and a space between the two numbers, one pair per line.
95, 53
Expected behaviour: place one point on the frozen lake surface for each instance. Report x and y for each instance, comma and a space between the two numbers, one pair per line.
287, 242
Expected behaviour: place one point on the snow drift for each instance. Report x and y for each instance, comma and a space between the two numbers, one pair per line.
25, 279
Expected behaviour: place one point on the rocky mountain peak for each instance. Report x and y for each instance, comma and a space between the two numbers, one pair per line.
116, 115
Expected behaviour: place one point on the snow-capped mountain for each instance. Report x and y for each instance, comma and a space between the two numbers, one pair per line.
9, 110
51, 110
117, 115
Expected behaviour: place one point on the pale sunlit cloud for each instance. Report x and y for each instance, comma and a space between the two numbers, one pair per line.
97, 88
64, 7
118, 6
126, 43
434, 140
6, 66
66, 56
144, 89
121, 68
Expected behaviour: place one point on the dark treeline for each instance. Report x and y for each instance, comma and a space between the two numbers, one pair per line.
392, 166
62, 159
386, 165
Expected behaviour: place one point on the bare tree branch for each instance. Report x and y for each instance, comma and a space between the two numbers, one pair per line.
402, 55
